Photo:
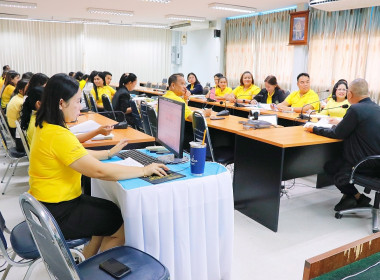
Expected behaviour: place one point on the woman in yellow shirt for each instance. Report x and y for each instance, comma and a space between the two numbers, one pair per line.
338, 98
83, 81
57, 162
222, 90
101, 88
14, 106
246, 91
9, 86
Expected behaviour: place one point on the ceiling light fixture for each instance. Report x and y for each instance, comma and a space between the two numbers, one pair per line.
189, 18
158, 1
11, 16
234, 8
150, 25
109, 12
22, 5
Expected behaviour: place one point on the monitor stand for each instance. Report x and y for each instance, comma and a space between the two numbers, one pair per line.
172, 159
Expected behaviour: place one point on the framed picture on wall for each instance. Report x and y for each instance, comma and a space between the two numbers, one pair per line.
299, 25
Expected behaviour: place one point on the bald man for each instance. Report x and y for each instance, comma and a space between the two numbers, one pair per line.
360, 131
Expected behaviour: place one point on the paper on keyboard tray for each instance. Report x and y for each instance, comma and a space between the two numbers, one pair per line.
84, 127
128, 162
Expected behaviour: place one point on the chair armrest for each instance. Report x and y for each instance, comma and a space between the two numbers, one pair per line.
360, 162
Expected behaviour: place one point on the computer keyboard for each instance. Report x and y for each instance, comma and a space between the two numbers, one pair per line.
138, 156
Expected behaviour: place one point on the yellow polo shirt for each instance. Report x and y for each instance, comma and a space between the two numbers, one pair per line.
295, 100
171, 95
13, 109
337, 112
53, 149
1, 82
6, 96
31, 128
107, 90
220, 93
82, 83
247, 94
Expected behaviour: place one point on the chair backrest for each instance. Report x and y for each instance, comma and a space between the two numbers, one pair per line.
148, 84
164, 80
2, 229
199, 126
4, 141
108, 105
136, 115
49, 239
23, 138
152, 117
205, 90
208, 84
5, 126
93, 103
86, 101
163, 86
144, 116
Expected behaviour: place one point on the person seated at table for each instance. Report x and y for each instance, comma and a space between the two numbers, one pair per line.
303, 99
177, 89
272, 93
10, 83
360, 131
37, 80
101, 88
211, 92
338, 98
222, 90
194, 85
28, 118
83, 81
72, 74
122, 97
57, 162
27, 76
108, 77
14, 106
246, 91
2, 80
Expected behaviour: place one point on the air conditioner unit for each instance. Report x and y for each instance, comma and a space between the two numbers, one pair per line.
189, 26
339, 5
180, 24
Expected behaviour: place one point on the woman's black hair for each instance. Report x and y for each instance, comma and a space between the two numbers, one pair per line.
8, 79
272, 80
30, 105
84, 77
241, 78
103, 77
107, 73
338, 83
60, 86
26, 75
37, 80
20, 86
196, 79
126, 78
92, 75
71, 74
219, 75
78, 75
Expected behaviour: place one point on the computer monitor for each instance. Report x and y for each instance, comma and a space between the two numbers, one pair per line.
171, 128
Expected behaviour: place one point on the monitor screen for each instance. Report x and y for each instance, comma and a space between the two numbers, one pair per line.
171, 125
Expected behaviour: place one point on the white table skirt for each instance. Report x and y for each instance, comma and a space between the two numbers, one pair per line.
188, 225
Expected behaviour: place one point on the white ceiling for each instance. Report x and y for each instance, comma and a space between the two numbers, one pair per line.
146, 12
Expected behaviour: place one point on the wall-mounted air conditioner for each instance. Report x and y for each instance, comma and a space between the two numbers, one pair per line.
338, 5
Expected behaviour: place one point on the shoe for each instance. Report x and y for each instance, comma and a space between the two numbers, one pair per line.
363, 201
346, 202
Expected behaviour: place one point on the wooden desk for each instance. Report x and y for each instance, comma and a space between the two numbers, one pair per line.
150, 91
133, 136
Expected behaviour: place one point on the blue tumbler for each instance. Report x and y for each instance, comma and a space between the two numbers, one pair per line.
197, 158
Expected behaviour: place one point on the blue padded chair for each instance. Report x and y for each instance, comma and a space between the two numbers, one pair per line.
108, 105
23, 246
136, 116
92, 103
145, 119
59, 262
152, 118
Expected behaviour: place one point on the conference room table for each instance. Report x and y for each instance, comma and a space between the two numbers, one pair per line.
135, 137
187, 223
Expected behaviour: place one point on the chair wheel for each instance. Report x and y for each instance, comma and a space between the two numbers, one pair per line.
338, 215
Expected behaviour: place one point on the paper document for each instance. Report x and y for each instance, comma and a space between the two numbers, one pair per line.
321, 123
264, 106
103, 137
84, 127
128, 162
199, 96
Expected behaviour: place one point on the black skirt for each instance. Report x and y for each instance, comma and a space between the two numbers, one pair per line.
86, 216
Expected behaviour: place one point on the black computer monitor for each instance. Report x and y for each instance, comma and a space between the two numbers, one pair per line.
171, 128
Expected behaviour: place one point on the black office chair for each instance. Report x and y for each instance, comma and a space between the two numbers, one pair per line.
206, 90
223, 155
369, 183
164, 81
144, 116
163, 86
136, 116
86, 101
152, 117
93, 103
108, 105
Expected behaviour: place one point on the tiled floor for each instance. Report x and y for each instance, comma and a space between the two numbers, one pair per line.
307, 227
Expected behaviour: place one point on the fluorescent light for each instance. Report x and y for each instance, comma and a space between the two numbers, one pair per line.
150, 25
88, 21
189, 18
234, 8
265, 12
158, 1
317, 2
22, 5
109, 12
10, 16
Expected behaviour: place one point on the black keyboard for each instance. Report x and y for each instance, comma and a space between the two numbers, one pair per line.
138, 156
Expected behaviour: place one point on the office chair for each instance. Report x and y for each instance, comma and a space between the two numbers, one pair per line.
92, 103
144, 117
152, 118
207, 85
86, 101
164, 81
223, 155
163, 86
369, 183
23, 246
23, 139
4, 125
59, 262
108, 105
287, 92
205, 90
155, 86
136, 116
148, 84
14, 157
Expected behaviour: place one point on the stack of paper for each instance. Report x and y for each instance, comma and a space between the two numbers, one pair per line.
84, 127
